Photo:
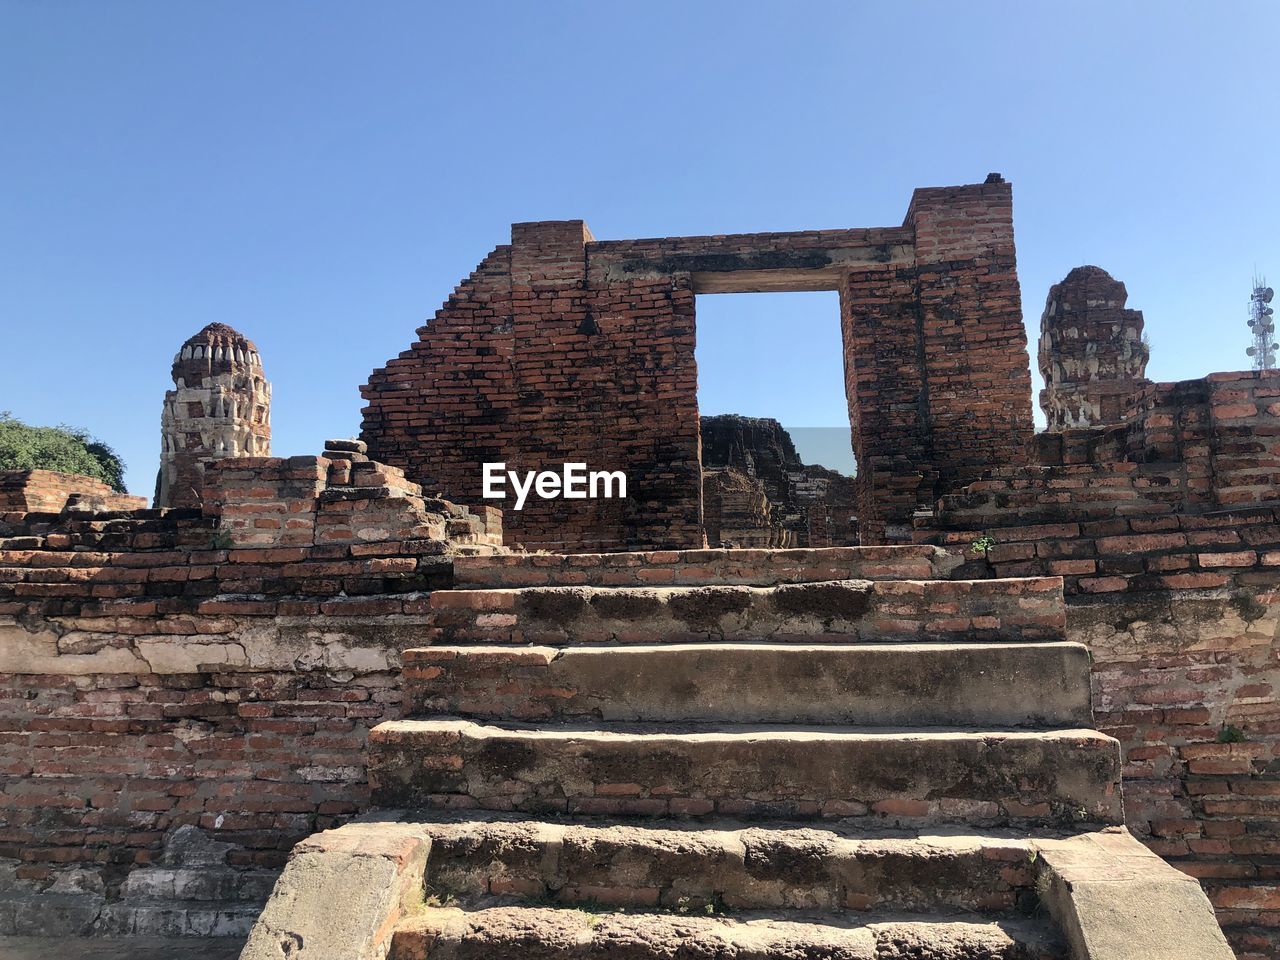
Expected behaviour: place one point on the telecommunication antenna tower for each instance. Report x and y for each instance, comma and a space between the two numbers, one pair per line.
1262, 324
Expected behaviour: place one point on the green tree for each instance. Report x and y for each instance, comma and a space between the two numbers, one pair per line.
62, 448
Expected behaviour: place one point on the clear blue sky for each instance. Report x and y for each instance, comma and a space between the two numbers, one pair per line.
321, 174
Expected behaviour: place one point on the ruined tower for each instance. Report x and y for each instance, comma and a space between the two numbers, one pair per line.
1092, 354
220, 407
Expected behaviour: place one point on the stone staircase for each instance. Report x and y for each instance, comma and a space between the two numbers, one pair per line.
739, 754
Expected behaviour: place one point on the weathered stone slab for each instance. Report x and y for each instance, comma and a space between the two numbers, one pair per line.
516, 933
992, 685
844, 610
341, 895
760, 568
1116, 900
1064, 776
741, 866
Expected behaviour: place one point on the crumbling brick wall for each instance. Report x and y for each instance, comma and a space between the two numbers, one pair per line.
141, 691
935, 358
167, 669
338, 498
1181, 613
561, 348
1166, 531
49, 491
1197, 445
527, 366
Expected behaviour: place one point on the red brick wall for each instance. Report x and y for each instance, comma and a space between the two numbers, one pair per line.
151, 677
976, 369
1167, 534
1244, 411
527, 366
48, 491
1216, 440
300, 501
99, 767
1181, 614
560, 348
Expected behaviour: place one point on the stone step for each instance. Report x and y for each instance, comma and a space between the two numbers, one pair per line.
693, 887
1027, 609
909, 775
759, 568
994, 685
547, 933
675, 863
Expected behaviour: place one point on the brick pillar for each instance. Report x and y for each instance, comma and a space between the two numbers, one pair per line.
549, 254
937, 371
880, 327
977, 371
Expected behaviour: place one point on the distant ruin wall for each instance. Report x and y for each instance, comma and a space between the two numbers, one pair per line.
560, 348
758, 493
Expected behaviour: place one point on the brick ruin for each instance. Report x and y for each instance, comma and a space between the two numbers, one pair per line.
50, 491
756, 492
188, 693
1093, 356
563, 348
220, 407
1156, 503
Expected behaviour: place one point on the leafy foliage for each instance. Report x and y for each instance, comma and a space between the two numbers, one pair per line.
62, 448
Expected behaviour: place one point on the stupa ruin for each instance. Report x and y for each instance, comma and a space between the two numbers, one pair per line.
219, 407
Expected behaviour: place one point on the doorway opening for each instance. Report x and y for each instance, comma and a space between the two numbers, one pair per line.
777, 456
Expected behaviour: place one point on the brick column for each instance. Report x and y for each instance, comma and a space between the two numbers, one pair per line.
977, 372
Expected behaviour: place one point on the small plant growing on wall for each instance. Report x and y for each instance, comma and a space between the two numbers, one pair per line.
221, 540
1231, 734
983, 544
